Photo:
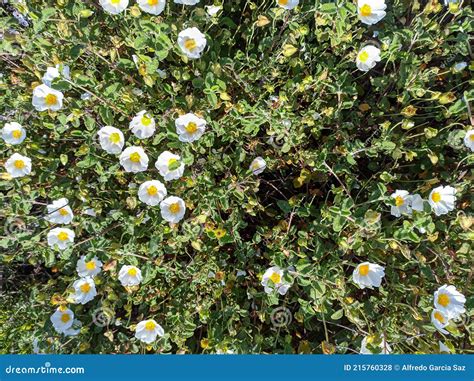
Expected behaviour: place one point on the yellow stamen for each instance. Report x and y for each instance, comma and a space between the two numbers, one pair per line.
132, 271
436, 197
171, 162
145, 119
150, 326
16, 134
363, 56
191, 128
152, 2
65, 318
85, 288
190, 44
443, 300
50, 100
174, 208
275, 278
399, 201
135, 157
90, 265
152, 190
439, 317
365, 10
115, 2
471, 137
19, 164
114, 137
283, 2
364, 270
63, 236
63, 212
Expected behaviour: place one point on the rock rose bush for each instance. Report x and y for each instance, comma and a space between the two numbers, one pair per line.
274, 176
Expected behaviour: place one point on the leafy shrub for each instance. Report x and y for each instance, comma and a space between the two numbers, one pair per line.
275, 83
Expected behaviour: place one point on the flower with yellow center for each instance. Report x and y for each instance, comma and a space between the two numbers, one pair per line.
367, 57
130, 276
190, 127
90, 266
192, 42
18, 165
440, 320
84, 290
287, 4
114, 7
170, 166
111, 139
62, 319
442, 200
46, 98
59, 212
368, 275
258, 165
371, 11
60, 238
13, 133
172, 209
143, 125
148, 330
449, 301
152, 192
469, 139
272, 280
134, 159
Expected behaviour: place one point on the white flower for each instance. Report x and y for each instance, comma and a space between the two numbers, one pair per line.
405, 203
13, 133
373, 340
442, 199
371, 11
134, 159
60, 237
449, 301
468, 140
111, 139
367, 57
130, 275
55, 72
59, 212
213, 10
186, 2
147, 330
143, 125
173, 209
190, 127
192, 42
440, 321
258, 165
88, 268
114, 7
152, 192
272, 280
84, 290
402, 198
443, 348
368, 275
46, 98
62, 319
154, 7
18, 165
170, 166
288, 4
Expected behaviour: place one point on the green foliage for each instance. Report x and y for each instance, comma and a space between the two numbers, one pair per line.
273, 83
